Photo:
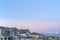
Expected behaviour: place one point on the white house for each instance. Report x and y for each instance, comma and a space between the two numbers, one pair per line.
25, 32
53, 38
38, 36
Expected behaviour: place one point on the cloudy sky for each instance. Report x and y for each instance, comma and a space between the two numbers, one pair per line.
36, 15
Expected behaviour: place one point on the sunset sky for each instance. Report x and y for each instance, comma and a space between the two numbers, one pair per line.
36, 15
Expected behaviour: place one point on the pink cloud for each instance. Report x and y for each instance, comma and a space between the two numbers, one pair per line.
33, 26
37, 27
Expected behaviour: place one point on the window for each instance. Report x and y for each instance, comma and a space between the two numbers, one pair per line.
3, 32
11, 32
8, 32
18, 33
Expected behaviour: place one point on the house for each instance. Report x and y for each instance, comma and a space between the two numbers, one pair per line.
8, 33
53, 38
25, 32
14, 32
4, 34
38, 36
42, 37
34, 34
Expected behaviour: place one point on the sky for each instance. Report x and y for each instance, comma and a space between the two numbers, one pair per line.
36, 15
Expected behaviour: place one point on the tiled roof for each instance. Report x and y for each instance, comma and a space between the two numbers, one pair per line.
24, 31
34, 33
5, 28
1, 27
